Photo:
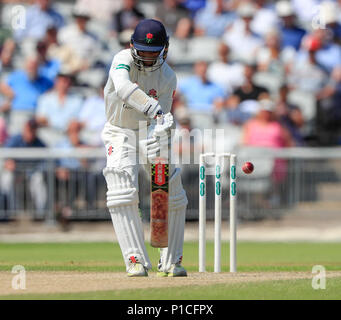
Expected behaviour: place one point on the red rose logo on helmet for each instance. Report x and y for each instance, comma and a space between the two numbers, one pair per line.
152, 93
149, 37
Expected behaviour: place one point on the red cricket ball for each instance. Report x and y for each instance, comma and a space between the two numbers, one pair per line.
248, 167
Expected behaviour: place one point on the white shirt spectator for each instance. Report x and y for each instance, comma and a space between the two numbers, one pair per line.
227, 76
306, 10
244, 46
84, 44
102, 10
264, 20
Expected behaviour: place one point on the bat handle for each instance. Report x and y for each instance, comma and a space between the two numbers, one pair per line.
159, 117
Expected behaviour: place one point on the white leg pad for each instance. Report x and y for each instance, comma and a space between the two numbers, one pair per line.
176, 222
122, 201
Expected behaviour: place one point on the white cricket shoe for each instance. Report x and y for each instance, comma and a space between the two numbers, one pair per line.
137, 270
176, 270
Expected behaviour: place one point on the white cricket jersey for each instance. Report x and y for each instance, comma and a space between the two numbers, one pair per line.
159, 84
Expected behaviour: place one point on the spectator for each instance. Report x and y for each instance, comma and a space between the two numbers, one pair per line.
124, 38
3, 131
213, 19
7, 50
329, 54
184, 29
5, 28
174, 16
271, 58
56, 109
76, 36
329, 16
265, 18
268, 56
67, 57
48, 67
7, 47
305, 10
306, 74
23, 87
200, 93
291, 33
289, 116
243, 101
128, 17
71, 179
243, 42
224, 73
264, 130
39, 18
92, 116
102, 10
13, 174
28, 138
4, 106
178, 103
193, 5
72, 140
328, 118
187, 144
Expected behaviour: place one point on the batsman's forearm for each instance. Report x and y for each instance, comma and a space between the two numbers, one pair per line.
143, 103
131, 94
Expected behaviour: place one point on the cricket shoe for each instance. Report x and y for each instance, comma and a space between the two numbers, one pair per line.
136, 269
176, 270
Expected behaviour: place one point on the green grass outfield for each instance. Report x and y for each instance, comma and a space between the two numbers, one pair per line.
252, 257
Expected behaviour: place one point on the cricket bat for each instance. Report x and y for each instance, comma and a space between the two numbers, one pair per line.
159, 201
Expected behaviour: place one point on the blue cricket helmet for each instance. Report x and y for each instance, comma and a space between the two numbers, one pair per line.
149, 35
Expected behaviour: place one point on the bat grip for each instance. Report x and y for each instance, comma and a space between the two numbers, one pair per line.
159, 117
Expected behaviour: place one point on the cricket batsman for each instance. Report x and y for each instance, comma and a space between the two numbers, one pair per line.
141, 86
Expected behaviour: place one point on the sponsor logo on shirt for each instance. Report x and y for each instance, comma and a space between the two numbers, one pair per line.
126, 106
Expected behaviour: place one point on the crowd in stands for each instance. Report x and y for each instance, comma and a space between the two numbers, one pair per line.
271, 50
270, 69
